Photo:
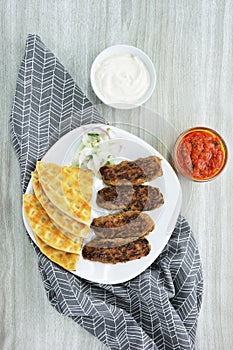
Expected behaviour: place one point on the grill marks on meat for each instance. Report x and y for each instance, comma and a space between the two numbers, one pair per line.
141, 198
121, 237
135, 172
124, 224
113, 251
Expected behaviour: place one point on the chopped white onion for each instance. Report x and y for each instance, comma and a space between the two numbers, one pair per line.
95, 149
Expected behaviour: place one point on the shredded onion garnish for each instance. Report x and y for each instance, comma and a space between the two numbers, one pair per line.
95, 149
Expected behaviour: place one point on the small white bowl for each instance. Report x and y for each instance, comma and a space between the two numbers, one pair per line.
123, 49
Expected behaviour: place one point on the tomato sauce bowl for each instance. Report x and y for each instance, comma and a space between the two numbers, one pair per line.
200, 154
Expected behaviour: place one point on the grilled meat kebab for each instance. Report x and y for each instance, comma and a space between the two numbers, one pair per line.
118, 250
135, 172
123, 225
140, 198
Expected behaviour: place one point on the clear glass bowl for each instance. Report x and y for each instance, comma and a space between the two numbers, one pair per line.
200, 154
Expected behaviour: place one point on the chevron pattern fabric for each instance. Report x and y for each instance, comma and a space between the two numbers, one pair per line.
156, 310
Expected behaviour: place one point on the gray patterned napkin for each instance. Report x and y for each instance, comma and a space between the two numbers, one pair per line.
156, 310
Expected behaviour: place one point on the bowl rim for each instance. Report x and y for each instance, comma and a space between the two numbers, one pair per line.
107, 52
211, 131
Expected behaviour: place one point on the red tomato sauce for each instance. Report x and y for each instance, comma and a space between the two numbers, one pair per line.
200, 154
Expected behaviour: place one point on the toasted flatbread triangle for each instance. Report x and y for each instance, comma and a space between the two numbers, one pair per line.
60, 219
78, 182
63, 189
67, 260
44, 228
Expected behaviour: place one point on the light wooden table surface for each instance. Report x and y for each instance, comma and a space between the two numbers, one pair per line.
191, 45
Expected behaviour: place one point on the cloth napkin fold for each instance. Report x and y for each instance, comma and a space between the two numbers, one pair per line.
156, 310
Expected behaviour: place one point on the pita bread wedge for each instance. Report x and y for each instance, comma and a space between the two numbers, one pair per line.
82, 180
63, 189
60, 219
44, 228
67, 260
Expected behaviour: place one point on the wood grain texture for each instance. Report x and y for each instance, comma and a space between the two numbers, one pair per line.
191, 45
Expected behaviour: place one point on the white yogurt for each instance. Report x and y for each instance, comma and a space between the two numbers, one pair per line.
122, 78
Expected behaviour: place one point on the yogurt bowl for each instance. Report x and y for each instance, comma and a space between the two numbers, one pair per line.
123, 77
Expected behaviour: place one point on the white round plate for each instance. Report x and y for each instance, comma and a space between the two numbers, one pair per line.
130, 147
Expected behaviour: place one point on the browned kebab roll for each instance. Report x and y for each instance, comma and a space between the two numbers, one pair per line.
136, 172
118, 250
142, 198
123, 225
